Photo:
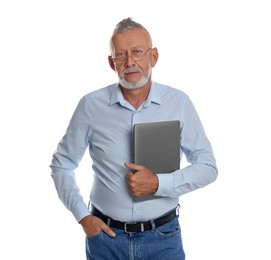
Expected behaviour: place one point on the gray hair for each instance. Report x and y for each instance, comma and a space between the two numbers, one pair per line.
127, 24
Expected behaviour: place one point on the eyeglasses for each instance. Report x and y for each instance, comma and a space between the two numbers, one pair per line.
137, 55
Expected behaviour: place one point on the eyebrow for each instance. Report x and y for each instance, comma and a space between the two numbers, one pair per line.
133, 48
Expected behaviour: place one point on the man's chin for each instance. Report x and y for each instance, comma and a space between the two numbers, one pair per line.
137, 84
131, 86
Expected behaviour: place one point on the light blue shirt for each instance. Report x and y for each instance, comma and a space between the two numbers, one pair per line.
103, 123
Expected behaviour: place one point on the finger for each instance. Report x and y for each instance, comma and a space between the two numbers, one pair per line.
133, 166
108, 230
130, 176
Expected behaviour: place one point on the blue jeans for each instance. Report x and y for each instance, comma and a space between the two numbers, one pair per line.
163, 243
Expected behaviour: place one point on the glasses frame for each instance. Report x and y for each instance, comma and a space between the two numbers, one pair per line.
124, 60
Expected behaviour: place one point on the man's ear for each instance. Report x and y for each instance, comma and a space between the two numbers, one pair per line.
111, 63
154, 57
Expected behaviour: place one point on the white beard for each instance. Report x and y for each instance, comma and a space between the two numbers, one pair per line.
142, 82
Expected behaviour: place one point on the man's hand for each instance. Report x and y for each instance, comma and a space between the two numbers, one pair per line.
141, 181
93, 225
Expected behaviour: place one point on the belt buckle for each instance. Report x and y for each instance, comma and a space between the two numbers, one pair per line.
131, 223
177, 210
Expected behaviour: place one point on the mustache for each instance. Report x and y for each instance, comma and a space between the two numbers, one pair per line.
129, 70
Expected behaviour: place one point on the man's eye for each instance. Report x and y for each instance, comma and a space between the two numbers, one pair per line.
121, 55
137, 52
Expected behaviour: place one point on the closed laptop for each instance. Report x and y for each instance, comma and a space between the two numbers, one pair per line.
156, 145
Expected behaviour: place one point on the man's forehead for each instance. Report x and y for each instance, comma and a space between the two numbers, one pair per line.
136, 36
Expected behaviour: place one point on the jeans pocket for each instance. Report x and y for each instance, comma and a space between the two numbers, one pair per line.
169, 229
95, 236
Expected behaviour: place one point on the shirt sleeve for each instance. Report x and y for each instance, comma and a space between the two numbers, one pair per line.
69, 153
202, 169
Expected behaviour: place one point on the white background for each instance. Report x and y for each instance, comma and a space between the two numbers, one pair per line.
54, 52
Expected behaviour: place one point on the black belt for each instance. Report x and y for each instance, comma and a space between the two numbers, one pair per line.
134, 227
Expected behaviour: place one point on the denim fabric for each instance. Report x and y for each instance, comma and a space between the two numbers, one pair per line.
163, 243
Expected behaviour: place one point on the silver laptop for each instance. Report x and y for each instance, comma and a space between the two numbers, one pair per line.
157, 145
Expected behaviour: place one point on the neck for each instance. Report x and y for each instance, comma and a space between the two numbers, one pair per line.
136, 97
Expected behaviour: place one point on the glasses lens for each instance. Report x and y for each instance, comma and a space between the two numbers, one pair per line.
136, 55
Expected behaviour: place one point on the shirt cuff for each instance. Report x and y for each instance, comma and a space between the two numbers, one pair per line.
80, 211
165, 185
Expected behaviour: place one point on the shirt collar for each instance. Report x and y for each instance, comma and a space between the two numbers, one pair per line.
116, 96
153, 97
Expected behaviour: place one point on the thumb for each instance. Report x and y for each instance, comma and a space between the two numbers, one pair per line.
133, 166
